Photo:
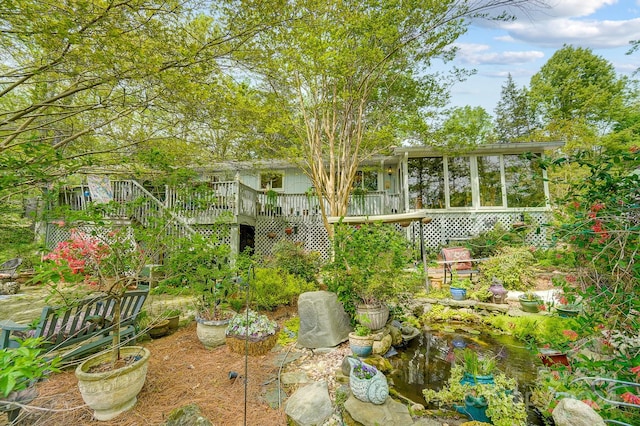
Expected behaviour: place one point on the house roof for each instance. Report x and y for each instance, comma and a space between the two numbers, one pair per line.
494, 148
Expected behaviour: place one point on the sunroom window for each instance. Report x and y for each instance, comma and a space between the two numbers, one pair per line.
489, 180
523, 178
426, 183
459, 182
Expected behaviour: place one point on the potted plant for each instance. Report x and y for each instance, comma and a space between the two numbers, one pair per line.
201, 265
361, 341
251, 332
530, 302
367, 383
494, 402
567, 304
368, 271
108, 264
477, 370
173, 316
20, 369
459, 286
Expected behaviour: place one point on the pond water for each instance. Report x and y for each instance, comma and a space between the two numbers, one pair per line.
427, 360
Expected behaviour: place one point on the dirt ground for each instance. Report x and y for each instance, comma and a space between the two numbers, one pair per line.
181, 372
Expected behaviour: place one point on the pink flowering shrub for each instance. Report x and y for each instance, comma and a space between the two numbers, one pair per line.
81, 254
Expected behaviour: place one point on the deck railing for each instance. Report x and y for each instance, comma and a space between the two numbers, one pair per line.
132, 201
206, 203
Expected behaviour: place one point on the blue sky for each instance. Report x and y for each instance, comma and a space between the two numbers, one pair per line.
524, 46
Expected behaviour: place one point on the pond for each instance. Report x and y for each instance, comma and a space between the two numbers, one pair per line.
426, 362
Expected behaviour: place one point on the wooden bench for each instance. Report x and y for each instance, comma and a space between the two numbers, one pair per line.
80, 329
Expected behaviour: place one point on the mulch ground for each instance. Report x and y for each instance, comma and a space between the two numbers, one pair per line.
181, 372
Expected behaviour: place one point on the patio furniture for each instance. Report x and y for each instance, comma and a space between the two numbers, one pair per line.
458, 259
80, 329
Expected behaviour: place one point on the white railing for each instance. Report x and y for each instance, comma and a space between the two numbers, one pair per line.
207, 203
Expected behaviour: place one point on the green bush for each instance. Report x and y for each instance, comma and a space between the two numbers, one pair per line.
369, 265
564, 259
292, 258
273, 287
514, 266
490, 243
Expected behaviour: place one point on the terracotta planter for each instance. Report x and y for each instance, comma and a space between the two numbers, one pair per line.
553, 357
110, 393
373, 316
211, 332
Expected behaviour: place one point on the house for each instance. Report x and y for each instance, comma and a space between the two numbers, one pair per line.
463, 193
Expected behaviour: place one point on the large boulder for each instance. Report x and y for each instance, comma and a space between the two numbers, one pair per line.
310, 405
323, 321
572, 412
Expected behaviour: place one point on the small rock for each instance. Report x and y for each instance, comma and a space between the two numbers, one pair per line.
189, 415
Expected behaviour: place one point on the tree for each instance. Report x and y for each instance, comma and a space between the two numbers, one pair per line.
85, 83
577, 96
349, 79
514, 118
467, 127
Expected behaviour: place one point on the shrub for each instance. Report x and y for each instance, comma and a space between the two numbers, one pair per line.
292, 258
514, 266
273, 287
490, 243
368, 266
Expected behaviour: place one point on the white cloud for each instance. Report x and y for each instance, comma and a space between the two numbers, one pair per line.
574, 8
591, 33
480, 54
507, 38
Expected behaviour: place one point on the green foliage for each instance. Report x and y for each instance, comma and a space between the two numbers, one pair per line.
474, 365
274, 287
458, 282
563, 259
293, 259
20, 367
599, 220
557, 333
576, 93
514, 266
514, 117
467, 127
17, 238
491, 242
368, 264
441, 313
289, 332
503, 408
362, 330
252, 325
201, 265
